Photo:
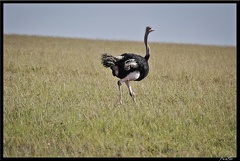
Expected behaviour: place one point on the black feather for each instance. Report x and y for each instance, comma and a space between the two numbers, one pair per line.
110, 61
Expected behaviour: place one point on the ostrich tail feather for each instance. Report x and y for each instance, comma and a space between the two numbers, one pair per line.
108, 60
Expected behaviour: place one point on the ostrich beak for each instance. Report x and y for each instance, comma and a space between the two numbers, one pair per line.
151, 30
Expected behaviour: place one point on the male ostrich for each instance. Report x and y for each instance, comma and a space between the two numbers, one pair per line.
129, 67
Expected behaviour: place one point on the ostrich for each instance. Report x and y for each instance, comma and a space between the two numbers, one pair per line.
129, 67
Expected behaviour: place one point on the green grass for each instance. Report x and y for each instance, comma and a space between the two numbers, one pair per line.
59, 101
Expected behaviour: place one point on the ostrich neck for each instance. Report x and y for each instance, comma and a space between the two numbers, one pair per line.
147, 46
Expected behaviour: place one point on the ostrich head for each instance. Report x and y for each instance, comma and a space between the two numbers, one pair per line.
149, 29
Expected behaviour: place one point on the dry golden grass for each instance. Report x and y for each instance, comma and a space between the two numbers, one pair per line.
60, 101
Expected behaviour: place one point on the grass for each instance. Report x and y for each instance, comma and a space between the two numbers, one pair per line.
59, 101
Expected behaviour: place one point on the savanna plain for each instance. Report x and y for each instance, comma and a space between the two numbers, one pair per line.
59, 101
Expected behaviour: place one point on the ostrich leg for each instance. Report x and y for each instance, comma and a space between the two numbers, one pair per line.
120, 91
130, 77
132, 94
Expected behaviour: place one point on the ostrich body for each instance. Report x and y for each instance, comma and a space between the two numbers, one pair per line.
128, 66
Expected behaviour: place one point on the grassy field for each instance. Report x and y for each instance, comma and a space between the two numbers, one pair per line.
59, 101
